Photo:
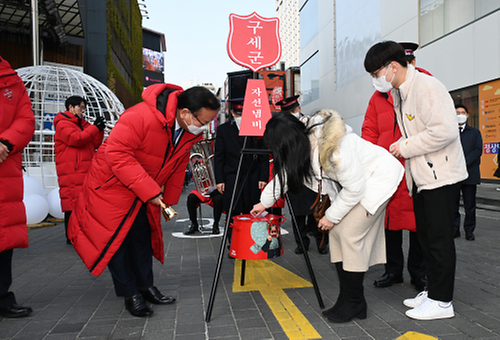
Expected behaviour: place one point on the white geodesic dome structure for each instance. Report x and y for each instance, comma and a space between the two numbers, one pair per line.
48, 88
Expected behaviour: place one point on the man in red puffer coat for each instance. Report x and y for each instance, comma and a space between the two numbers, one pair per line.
117, 219
75, 143
380, 127
17, 124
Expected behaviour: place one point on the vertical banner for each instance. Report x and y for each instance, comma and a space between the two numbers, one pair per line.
489, 123
256, 111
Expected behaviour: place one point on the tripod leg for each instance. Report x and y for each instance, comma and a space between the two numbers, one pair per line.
224, 241
243, 266
306, 255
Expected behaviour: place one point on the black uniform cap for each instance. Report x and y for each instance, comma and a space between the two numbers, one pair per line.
289, 103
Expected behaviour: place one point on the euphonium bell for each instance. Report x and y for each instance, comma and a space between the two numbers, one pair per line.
201, 163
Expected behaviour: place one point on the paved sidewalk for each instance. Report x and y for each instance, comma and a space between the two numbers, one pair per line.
70, 303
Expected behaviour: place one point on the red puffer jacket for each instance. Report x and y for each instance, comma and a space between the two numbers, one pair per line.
17, 124
129, 168
75, 143
380, 128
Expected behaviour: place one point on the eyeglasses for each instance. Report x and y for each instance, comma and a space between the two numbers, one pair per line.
199, 121
374, 74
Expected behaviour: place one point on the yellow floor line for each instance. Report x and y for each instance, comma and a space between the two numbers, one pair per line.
270, 279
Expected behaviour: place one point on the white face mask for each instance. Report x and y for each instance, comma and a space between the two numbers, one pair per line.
462, 119
296, 115
381, 84
195, 130
237, 120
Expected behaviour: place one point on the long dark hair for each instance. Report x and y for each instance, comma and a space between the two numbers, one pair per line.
289, 142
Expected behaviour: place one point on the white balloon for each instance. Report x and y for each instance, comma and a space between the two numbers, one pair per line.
37, 208
33, 187
55, 203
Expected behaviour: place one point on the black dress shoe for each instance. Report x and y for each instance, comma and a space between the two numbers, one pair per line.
419, 283
323, 250
15, 311
299, 250
215, 230
456, 234
470, 236
192, 230
388, 280
137, 306
153, 295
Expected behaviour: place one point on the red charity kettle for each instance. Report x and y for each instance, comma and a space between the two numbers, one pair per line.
256, 238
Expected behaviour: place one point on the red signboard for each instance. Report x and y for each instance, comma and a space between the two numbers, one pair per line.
254, 41
256, 111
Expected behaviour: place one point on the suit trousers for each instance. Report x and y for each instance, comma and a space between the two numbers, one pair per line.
434, 215
6, 298
306, 227
395, 256
132, 265
469, 198
193, 202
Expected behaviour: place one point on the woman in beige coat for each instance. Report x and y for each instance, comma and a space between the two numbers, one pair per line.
359, 178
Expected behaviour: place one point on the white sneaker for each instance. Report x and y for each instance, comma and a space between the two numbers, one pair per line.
417, 301
432, 310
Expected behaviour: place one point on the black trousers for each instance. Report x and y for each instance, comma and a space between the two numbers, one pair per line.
6, 298
192, 204
132, 265
395, 256
469, 198
435, 214
306, 224
67, 215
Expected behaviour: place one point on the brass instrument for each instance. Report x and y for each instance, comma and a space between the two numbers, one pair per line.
201, 163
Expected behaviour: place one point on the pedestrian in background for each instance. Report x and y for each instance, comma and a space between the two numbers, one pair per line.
76, 142
434, 163
472, 144
17, 124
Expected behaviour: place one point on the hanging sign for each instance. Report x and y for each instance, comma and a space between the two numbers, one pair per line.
254, 41
256, 111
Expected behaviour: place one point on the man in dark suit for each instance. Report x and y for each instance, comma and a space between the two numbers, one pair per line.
472, 143
254, 168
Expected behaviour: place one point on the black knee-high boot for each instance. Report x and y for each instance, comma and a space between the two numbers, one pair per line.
355, 304
344, 287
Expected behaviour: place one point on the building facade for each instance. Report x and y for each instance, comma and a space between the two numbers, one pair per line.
459, 44
288, 13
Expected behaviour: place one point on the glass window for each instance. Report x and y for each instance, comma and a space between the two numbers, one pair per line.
309, 22
440, 17
309, 82
354, 40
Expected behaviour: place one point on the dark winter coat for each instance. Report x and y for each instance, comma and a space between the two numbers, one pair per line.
472, 144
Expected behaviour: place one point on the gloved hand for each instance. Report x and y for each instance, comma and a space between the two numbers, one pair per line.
100, 122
